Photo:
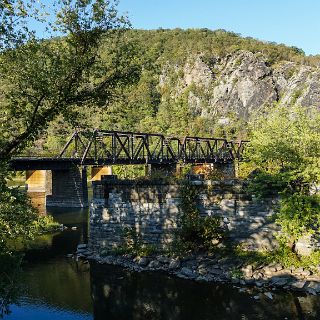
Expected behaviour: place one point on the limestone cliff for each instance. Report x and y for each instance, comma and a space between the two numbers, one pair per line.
240, 83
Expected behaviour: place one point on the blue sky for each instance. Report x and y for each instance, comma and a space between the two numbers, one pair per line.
293, 22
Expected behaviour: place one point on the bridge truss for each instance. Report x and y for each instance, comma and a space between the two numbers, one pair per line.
103, 147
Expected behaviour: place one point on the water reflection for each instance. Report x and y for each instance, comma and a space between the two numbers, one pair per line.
61, 289
55, 287
120, 294
40, 311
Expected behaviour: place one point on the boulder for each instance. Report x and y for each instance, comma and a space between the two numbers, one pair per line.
174, 264
187, 272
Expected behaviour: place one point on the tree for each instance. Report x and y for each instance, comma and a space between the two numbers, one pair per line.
43, 78
285, 148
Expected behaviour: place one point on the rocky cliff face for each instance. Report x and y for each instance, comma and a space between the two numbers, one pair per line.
240, 84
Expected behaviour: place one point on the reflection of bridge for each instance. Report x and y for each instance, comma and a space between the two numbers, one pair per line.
100, 148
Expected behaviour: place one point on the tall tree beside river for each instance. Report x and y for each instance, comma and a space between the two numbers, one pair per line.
42, 78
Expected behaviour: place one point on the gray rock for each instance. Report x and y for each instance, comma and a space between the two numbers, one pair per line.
174, 264
247, 271
269, 272
250, 281
260, 283
235, 280
82, 251
215, 271
298, 270
163, 259
143, 261
279, 281
298, 285
154, 264
311, 291
303, 246
240, 83
268, 294
305, 273
187, 272
257, 275
82, 246
315, 286
202, 270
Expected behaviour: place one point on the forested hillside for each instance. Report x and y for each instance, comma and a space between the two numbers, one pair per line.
198, 82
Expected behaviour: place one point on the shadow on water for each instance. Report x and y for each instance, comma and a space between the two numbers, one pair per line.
121, 294
56, 287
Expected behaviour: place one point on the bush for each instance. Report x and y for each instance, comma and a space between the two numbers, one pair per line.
284, 148
196, 232
298, 215
133, 244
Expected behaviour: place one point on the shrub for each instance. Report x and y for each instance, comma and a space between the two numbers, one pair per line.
196, 232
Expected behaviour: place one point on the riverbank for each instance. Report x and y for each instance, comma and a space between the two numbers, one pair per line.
215, 268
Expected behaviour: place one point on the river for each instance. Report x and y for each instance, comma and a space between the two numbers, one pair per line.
57, 287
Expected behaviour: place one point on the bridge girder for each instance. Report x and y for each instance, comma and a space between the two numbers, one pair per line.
102, 147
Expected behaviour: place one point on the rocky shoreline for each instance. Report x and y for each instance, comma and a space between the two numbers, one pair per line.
209, 268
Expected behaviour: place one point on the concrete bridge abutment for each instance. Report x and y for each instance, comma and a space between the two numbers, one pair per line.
98, 171
38, 181
38, 185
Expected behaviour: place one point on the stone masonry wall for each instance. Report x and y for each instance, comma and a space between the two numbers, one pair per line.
69, 189
152, 209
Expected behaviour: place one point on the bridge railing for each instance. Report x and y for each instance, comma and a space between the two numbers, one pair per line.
107, 147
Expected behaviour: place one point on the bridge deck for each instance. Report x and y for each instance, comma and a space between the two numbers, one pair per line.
33, 163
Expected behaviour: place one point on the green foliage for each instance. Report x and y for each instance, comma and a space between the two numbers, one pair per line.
9, 281
284, 148
297, 94
129, 171
299, 215
264, 184
182, 170
18, 221
282, 255
287, 258
196, 233
236, 273
133, 244
286, 139
42, 79
17, 217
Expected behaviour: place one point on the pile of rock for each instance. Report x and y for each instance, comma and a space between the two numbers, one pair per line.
210, 268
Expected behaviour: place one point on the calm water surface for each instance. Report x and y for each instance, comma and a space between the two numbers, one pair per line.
55, 287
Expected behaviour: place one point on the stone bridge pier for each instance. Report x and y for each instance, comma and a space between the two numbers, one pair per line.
62, 187
69, 188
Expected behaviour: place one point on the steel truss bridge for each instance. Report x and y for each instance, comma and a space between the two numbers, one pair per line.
102, 147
